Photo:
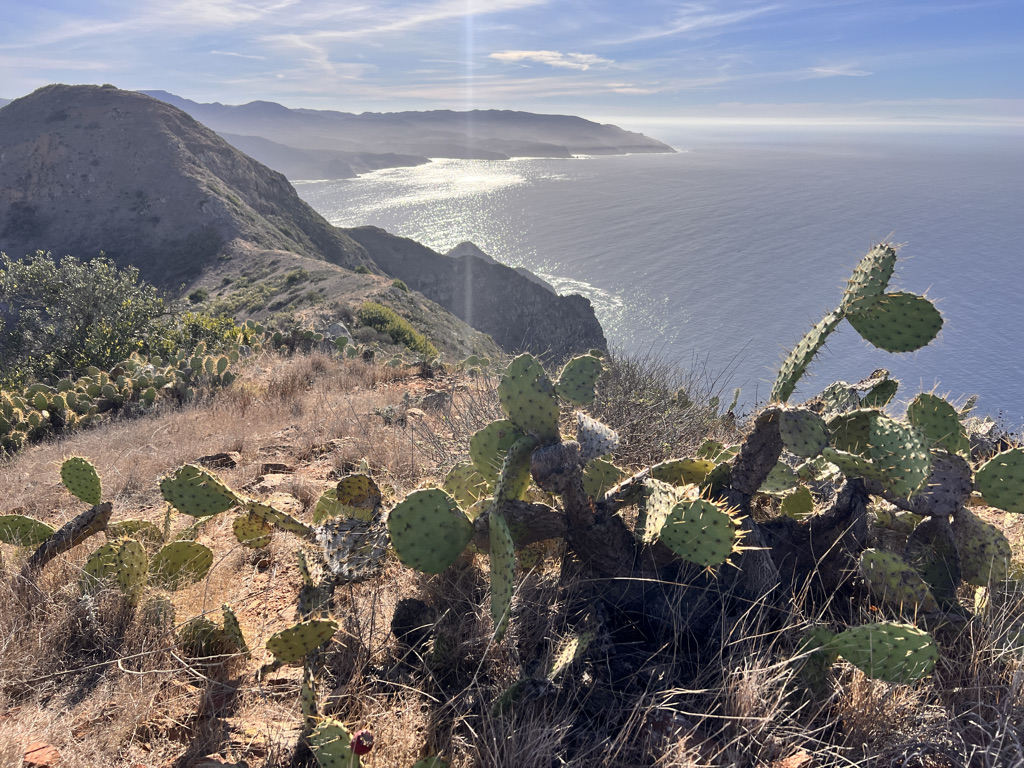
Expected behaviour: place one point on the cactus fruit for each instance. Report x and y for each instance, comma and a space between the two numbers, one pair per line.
362, 742
898, 322
577, 379
528, 397
700, 532
940, 423
503, 564
79, 477
290, 646
23, 531
893, 582
984, 549
1001, 480
800, 357
180, 564
196, 492
803, 432
429, 530
895, 653
869, 279
595, 438
252, 531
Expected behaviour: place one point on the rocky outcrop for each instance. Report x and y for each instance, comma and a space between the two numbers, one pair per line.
85, 169
519, 314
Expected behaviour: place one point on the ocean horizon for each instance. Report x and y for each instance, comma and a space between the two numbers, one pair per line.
721, 256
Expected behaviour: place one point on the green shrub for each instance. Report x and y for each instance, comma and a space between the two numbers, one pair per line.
386, 320
400, 285
199, 295
362, 269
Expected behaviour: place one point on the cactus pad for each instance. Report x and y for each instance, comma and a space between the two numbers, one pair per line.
932, 551
488, 447
233, 630
895, 653
939, 422
428, 530
79, 477
466, 485
780, 480
682, 471
899, 451
1001, 480
798, 504
851, 464
277, 518
571, 649
360, 496
984, 549
131, 565
503, 564
661, 499
599, 477
353, 549
331, 745
700, 532
595, 439
869, 279
515, 472
528, 398
577, 380
898, 322
252, 531
799, 358
23, 531
894, 582
291, 645
851, 431
180, 564
194, 491
142, 531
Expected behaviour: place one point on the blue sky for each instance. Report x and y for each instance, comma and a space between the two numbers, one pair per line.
894, 62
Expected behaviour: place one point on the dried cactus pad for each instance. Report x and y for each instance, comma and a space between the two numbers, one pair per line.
23, 531
898, 322
196, 492
331, 745
180, 564
896, 653
291, 645
595, 439
893, 581
428, 530
1001, 480
79, 477
699, 532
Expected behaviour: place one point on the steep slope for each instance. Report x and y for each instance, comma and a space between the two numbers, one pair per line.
518, 313
85, 169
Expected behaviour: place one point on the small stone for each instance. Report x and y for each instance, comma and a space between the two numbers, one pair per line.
39, 754
801, 759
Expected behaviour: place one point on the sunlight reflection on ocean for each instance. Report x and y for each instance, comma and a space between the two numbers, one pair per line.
728, 253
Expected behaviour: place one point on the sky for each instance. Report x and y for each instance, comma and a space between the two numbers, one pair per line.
918, 63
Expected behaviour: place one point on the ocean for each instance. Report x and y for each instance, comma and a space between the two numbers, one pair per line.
722, 256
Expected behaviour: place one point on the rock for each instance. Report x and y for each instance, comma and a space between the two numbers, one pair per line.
39, 754
800, 759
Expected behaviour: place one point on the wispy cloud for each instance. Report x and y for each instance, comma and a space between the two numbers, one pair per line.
698, 17
582, 61
238, 55
837, 71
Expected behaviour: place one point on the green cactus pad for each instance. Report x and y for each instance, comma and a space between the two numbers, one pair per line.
360, 495
194, 491
23, 531
815, 647
1001, 481
571, 649
180, 564
600, 476
851, 464
79, 477
803, 432
839, 397
131, 565
143, 531
503, 566
331, 745
233, 630
895, 653
515, 472
252, 531
682, 471
577, 380
528, 398
277, 518
900, 453
851, 431
931, 550
291, 645
898, 322
595, 439
430, 762
894, 582
798, 504
940, 422
984, 549
488, 447
780, 480
700, 532
99, 567
466, 485
660, 499
428, 530
869, 279
799, 358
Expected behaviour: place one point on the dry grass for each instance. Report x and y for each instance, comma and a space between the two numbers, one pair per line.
106, 685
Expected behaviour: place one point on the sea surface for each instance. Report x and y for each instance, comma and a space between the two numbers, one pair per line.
722, 256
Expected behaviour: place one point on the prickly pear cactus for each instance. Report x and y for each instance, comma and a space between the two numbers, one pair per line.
503, 564
80, 477
984, 549
895, 582
528, 397
1001, 480
23, 531
331, 745
291, 645
180, 564
429, 530
700, 532
577, 380
895, 653
194, 491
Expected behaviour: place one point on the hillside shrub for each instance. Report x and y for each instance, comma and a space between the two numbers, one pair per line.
386, 320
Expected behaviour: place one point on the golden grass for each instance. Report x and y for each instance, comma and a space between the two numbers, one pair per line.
106, 685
